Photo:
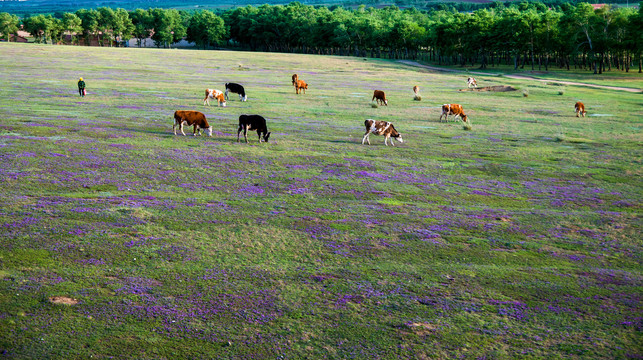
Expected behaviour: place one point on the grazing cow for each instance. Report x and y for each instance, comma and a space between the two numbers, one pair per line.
214, 94
453, 109
580, 109
295, 77
471, 82
235, 88
301, 86
380, 97
381, 128
195, 118
253, 122
416, 90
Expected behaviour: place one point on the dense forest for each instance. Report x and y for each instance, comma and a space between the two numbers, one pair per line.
531, 34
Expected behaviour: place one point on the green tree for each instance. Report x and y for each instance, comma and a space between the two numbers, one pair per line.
89, 22
122, 26
205, 29
39, 27
8, 25
106, 22
72, 24
168, 27
142, 25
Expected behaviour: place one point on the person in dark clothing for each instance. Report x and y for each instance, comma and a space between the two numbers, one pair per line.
81, 87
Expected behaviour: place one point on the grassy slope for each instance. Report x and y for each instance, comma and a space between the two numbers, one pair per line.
499, 242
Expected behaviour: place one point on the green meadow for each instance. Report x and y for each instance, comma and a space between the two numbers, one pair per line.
517, 239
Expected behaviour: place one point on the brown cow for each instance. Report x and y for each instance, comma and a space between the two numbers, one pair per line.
295, 77
381, 128
301, 86
379, 97
580, 109
416, 90
453, 109
187, 117
214, 94
471, 82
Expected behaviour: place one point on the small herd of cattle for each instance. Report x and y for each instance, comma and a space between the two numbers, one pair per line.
258, 123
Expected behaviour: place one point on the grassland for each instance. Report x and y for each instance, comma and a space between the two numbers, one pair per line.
518, 239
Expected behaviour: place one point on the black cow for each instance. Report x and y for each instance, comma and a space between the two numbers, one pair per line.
253, 122
235, 88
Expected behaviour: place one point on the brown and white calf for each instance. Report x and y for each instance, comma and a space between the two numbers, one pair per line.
471, 82
453, 109
301, 86
381, 128
295, 77
380, 97
580, 109
214, 94
191, 118
416, 90
252, 123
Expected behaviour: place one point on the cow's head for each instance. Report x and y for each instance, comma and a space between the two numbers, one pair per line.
464, 118
209, 131
266, 136
221, 99
398, 137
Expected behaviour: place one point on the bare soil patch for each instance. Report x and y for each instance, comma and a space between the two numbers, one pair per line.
63, 300
497, 88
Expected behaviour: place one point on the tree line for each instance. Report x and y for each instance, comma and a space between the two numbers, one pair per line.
520, 34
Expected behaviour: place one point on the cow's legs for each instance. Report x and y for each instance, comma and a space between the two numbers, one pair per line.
226, 94
239, 132
245, 133
181, 128
366, 138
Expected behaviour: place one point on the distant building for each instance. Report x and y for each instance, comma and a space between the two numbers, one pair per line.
15, 38
598, 6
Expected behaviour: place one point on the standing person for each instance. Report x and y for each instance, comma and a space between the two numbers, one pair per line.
81, 87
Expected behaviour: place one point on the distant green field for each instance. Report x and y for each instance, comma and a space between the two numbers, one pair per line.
518, 239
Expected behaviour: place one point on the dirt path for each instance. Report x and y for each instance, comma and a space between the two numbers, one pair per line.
524, 77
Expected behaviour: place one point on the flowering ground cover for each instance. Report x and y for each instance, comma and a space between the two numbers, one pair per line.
517, 239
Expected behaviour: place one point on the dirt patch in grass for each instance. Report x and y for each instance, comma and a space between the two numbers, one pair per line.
496, 88
63, 300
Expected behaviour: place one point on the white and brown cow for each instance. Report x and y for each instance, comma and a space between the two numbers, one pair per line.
471, 82
580, 109
416, 90
380, 97
381, 128
455, 110
191, 118
214, 94
301, 86
295, 77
